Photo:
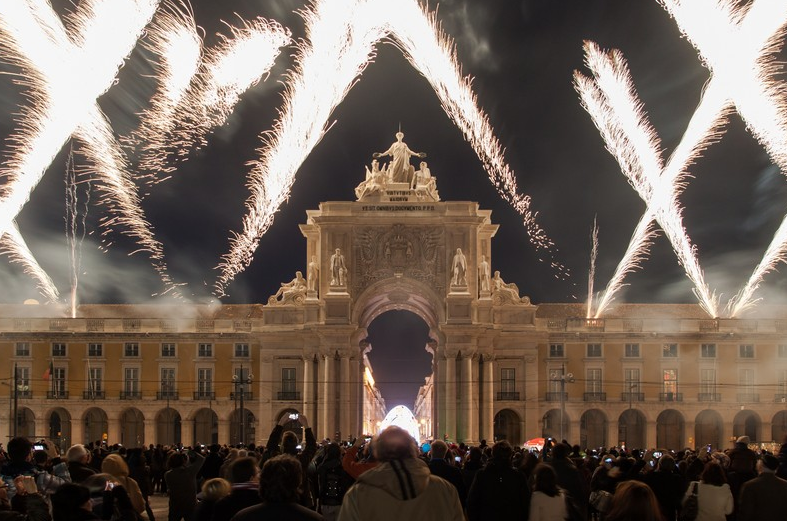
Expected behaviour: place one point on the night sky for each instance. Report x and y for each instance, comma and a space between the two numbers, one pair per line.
522, 55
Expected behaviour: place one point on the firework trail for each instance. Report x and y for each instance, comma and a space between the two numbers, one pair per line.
592, 270
199, 90
610, 99
13, 245
75, 227
738, 45
341, 37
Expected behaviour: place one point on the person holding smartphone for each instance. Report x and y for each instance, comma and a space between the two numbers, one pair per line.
439, 466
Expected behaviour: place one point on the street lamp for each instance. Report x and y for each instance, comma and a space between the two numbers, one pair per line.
240, 384
563, 378
17, 388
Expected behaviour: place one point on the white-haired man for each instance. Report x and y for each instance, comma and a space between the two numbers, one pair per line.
78, 458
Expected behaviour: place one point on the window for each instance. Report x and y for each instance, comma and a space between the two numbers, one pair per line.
58, 349
23, 382
95, 382
22, 349
631, 376
746, 381
131, 349
59, 382
781, 350
167, 382
96, 350
167, 350
131, 381
593, 383
288, 379
707, 382
241, 350
556, 351
508, 380
594, 351
205, 350
670, 382
746, 351
670, 351
708, 350
631, 351
204, 382
783, 385
556, 381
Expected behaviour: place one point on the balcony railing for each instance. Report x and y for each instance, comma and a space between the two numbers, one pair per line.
709, 397
247, 395
634, 397
93, 395
511, 396
556, 397
166, 395
56, 395
130, 395
748, 397
288, 396
595, 397
204, 395
781, 398
670, 397
24, 393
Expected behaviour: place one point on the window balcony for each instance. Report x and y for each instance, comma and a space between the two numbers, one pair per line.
748, 397
56, 395
166, 395
288, 396
204, 395
510, 396
709, 397
93, 395
781, 398
670, 397
556, 397
130, 395
247, 395
633, 397
26, 393
594, 397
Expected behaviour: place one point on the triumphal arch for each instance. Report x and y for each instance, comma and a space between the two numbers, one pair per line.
399, 247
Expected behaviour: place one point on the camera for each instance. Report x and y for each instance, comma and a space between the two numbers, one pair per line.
294, 416
458, 459
608, 460
657, 454
367, 440
39, 447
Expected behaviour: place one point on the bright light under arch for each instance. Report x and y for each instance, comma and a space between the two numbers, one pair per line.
402, 417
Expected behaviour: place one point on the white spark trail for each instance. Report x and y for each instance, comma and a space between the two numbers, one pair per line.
738, 45
592, 270
75, 234
611, 101
13, 245
199, 89
341, 35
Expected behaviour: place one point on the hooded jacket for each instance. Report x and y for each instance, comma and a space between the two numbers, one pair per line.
116, 466
401, 490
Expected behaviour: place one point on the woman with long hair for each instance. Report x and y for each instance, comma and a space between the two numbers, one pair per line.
548, 503
714, 497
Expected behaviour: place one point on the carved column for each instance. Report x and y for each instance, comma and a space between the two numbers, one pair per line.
467, 399
345, 410
265, 390
451, 399
308, 391
650, 435
324, 398
78, 434
187, 433
149, 427
488, 429
113, 429
224, 431
530, 400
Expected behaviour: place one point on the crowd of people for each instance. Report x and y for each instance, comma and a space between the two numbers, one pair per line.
390, 477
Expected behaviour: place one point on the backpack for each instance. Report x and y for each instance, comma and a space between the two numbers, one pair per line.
333, 488
690, 505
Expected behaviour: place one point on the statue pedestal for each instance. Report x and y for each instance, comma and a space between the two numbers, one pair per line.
311, 295
337, 290
485, 295
337, 306
458, 307
460, 290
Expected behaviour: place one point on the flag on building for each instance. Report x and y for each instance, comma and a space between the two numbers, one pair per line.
48, 372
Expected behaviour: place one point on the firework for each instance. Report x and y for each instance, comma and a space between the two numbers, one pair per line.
13, 245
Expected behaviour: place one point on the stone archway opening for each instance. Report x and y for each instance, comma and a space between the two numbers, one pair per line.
669, 429
507, 427
747, 423
59, 428
132, 428
95, 425
708, 427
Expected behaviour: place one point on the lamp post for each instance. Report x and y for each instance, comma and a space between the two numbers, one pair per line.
563, 378
240, 383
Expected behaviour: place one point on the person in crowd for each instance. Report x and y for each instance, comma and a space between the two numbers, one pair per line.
28, 504
332, 482
212, 466
20, 463
569, 478
213, 490
244, 492
548, 502
181, 480
78, 458
350, 462
116, 466
73, 502
473, 463
290, 445
401, 487
743, 467
634, 501
139, 471
499, 491
714, 497
764, 498
782, 458
439, 466
280, 482
667, 485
